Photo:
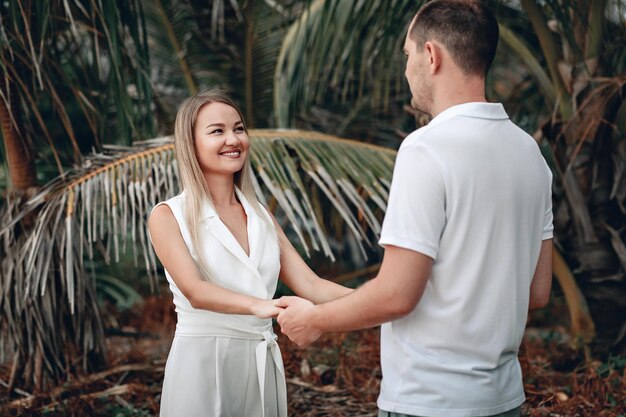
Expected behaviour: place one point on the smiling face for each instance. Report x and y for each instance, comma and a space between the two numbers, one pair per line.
220, 139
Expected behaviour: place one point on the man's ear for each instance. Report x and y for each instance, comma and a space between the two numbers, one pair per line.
433, 54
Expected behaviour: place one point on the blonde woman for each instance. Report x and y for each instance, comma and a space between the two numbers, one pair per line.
223, 254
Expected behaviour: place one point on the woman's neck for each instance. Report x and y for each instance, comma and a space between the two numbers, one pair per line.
222, 190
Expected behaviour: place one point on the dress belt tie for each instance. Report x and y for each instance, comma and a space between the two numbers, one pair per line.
269, 342
198, 325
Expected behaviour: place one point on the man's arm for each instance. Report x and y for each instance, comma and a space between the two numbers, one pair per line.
394, 293
542, 280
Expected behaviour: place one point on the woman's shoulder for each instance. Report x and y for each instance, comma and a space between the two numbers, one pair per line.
167, 208
177, 200
161, 215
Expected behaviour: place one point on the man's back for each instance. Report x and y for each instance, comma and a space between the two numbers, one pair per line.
472, 191
465, 233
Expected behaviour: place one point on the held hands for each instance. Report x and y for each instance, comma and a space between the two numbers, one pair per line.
265, 309
294, 315
296, 320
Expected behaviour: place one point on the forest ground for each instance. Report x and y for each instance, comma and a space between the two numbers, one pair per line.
337, 376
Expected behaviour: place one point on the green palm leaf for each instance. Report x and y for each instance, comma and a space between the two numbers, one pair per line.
228, 44
348, 51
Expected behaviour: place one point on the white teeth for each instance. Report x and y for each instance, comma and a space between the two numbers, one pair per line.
237, 153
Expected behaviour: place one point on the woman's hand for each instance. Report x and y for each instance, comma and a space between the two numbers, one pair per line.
265, 309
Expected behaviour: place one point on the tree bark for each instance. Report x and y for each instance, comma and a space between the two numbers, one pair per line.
20, 160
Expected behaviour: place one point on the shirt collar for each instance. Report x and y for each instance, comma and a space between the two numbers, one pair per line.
474, 109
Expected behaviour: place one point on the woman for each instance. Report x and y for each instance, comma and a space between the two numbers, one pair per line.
223, 253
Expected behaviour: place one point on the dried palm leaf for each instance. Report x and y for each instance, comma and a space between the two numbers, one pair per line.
48, 298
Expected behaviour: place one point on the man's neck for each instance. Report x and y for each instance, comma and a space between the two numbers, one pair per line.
459, 91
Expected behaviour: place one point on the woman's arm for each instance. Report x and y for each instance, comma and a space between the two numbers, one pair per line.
171, 249
297, 275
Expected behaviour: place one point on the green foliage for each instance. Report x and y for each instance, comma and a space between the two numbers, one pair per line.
123, 295
340, 64
228, 44
4, 180
613, 364
79, 71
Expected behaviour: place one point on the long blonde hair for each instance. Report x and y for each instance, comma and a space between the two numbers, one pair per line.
191, 176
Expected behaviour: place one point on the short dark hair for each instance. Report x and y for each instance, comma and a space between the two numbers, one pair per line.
467, 28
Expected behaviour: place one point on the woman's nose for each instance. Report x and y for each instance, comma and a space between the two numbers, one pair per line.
232, 139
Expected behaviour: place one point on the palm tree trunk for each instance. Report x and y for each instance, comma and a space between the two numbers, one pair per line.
20, 162
22, 176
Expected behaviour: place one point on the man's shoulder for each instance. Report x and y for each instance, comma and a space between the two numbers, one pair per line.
423, 137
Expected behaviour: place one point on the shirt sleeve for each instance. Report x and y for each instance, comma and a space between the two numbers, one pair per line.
548, 227
415, 216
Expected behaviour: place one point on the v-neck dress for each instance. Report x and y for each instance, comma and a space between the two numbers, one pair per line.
226, 365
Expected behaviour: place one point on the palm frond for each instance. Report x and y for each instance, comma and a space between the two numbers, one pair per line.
343, 51
101, 208
227, 44
352, 176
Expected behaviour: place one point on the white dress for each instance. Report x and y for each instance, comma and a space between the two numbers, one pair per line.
226, 365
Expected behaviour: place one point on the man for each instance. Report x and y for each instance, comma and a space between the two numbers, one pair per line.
467, 236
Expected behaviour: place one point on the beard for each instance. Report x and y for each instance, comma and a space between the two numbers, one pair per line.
420, 105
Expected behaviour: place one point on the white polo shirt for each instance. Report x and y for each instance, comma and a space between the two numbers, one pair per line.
472, 191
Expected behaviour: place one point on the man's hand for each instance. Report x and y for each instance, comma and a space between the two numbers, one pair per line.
296, 320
